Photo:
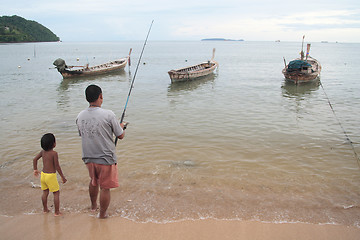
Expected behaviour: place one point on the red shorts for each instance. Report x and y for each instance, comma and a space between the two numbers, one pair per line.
104, 175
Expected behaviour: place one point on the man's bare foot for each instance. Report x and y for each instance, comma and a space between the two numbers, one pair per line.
46, 211
58, 214
102, 217
94, 208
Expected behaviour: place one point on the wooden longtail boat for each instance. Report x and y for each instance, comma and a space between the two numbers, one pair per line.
83, 71
302, 69
195, 71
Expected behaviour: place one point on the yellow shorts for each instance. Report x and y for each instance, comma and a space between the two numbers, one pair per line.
49, 181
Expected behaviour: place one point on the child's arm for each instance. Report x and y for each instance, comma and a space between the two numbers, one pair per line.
58, 168
35, 160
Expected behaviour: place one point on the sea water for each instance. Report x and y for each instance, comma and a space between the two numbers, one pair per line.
239, 144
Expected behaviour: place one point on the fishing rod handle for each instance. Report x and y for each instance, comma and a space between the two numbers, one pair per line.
116, 138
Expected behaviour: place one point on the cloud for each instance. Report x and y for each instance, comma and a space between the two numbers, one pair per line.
324, 20
273, 27
114, 20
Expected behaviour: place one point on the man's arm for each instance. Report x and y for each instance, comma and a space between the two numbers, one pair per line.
123, 126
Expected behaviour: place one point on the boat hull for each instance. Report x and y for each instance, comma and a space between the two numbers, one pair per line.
302, 76
108, 67
193, 72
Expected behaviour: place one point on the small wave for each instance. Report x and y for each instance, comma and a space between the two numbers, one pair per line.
347, 207
33, 212
33, 185
350, 206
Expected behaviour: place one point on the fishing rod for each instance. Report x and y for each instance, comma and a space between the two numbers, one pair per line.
132, 82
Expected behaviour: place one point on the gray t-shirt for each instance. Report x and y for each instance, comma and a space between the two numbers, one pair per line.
97, 128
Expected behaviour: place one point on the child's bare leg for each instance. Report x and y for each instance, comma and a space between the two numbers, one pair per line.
57, 203
44, 198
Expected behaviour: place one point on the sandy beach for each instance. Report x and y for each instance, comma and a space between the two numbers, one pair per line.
86, 226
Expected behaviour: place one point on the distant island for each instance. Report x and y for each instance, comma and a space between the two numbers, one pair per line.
16, 29
220, 39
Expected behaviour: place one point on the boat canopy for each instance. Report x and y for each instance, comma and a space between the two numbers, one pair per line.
298, 64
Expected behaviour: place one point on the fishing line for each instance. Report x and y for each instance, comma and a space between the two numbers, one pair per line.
132, 83
343, 129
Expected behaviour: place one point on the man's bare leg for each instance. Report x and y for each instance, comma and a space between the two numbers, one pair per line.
104, 202
93, 192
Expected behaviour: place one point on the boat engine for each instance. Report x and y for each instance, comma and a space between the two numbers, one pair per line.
60, 64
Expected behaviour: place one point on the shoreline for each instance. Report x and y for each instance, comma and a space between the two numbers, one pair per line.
84, 226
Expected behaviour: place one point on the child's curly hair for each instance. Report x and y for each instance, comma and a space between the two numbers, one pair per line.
47, 141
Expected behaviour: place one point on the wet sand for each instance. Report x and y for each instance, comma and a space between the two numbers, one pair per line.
86, 226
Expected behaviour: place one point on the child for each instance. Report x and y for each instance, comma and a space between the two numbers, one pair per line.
48, 174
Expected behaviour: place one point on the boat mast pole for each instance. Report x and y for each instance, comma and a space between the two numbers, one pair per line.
132, 82
213, 55
302, 49
129, 62
307, 51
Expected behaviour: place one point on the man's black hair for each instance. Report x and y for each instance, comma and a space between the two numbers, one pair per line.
92, 93
47, 141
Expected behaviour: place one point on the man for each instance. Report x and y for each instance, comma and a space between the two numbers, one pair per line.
96, 127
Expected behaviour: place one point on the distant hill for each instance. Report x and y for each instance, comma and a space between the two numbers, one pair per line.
220, 39
17, 29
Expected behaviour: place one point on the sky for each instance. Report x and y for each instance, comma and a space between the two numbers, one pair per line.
182, 20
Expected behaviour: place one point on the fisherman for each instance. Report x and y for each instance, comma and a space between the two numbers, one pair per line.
96, 127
